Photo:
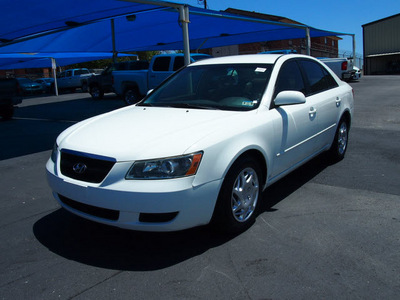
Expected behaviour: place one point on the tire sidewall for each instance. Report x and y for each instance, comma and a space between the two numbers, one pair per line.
93, 91
335, 154
131, 92
223, 217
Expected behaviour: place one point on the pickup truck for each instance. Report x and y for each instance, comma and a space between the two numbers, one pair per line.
99, 84
73, 79
10, 95
342, 67
133, 85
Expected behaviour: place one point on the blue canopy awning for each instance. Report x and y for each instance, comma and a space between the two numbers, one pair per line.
54, 26
43, 60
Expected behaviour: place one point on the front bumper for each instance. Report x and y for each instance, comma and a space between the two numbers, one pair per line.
146, 205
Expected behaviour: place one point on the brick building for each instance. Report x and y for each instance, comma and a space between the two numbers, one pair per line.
320, 46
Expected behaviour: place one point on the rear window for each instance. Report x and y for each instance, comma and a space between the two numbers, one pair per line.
178, 63
80, 72
161, 64
318, 78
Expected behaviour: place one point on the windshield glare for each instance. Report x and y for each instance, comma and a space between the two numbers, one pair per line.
228, 87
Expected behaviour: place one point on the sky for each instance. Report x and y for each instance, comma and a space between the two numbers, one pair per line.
337, 15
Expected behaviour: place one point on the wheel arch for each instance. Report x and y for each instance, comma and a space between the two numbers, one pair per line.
224, 159
346, 116
130, 85
258, 157
93, 84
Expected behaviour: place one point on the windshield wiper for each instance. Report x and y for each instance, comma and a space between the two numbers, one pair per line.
188, 105
145, 104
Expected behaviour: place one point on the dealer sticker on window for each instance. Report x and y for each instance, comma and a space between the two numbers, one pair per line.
248, 103
261, 70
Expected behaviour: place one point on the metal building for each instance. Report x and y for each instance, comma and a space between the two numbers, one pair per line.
382, 46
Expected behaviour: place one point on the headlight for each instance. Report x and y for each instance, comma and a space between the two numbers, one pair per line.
165, 168
54, 153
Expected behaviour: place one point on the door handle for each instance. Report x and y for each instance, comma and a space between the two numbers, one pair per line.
312, 112
338, 101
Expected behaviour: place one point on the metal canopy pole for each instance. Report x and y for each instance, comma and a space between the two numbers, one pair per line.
54, 67
183, 17
308, 41
114, 57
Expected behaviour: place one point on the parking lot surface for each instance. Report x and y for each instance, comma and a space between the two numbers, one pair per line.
324, 232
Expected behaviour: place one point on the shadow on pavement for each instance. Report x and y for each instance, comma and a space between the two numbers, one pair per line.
35, 128
104, 246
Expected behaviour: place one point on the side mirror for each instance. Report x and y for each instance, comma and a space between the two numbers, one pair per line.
289, 98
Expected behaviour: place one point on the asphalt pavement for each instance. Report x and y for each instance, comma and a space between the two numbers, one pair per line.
324, 232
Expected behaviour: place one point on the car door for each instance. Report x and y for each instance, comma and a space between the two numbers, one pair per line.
323, 90
106, 78
296, 124
68, 78
61, 83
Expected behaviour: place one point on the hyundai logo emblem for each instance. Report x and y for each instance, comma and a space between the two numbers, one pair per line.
79, 168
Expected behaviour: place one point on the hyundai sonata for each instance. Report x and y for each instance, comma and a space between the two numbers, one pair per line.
202, 146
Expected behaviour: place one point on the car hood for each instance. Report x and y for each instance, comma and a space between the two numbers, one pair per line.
136, 133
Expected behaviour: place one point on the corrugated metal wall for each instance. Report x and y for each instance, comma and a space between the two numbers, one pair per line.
382, 37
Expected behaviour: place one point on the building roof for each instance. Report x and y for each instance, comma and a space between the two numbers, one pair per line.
381, 20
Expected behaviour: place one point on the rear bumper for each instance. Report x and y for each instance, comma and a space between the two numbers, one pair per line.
12, 100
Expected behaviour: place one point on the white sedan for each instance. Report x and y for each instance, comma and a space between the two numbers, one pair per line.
202, 146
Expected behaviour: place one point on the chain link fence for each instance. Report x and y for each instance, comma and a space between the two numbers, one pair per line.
358, 60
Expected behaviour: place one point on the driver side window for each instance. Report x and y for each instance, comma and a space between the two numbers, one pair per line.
290, 78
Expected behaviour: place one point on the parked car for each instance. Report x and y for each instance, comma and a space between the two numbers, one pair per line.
132, 85
10, 95
47, 84
29, 87
73, 79
202, 146
356, 73
280, 51
103, 83
343, 67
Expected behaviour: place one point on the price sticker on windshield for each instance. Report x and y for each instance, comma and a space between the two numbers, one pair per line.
261, 70
248, 103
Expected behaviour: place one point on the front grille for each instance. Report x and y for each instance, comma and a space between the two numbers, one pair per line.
95, 211
85, 167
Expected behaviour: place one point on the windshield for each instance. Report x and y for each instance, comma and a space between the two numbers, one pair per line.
228, 87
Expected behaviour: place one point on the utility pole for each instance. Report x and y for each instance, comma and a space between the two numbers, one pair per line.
205, 3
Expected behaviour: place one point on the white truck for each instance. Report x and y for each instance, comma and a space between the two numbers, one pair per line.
132, 85
73, 79
343, 67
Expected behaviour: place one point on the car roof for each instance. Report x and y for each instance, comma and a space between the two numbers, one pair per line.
247, 59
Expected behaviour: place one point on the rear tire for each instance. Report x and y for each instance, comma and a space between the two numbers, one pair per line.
96, 93
131, 96
340, 142
84, 87
7, 112
238, 198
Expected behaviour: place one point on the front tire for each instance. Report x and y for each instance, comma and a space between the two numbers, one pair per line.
239, 196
